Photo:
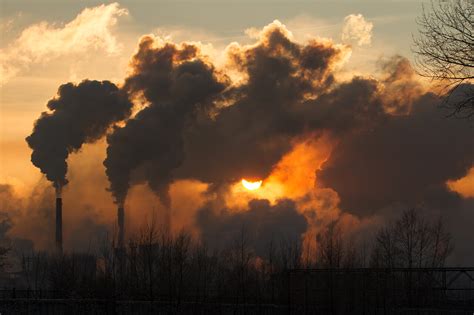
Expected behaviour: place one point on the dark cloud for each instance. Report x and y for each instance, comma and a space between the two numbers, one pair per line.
184, 134
394, 146
79, 114
248, 137
260, 224
400, 85
406, 159
178, 85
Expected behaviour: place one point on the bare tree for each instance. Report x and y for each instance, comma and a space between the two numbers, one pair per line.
331, 247
3, 257
384, 251
412, 241
289, 254
148, 243
442, 245
241, 257
444, 52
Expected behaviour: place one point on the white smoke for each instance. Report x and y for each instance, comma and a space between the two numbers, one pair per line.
357, 29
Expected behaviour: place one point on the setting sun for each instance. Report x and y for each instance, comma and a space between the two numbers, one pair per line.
251, 185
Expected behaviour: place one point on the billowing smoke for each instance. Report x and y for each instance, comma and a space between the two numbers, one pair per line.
79, 114
261, 224
218, 124
178, 84
403, 160
197, 126
248, 137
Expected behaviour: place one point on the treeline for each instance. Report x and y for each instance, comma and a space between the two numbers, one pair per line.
155, 266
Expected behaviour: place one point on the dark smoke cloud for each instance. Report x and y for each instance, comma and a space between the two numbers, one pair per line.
260, 224
405, 162
406, 159
247, 138
177, 84
401, 87
288, 93
182, 134
79, 114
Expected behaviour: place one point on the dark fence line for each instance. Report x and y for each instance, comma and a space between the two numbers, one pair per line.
297, 291
380, 290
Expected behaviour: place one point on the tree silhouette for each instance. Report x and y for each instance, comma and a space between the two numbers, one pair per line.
412, 242
444, 51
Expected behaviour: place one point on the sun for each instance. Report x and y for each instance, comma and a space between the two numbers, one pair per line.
251, 185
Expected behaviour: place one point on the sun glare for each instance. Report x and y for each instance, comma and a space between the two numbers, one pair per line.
251, 185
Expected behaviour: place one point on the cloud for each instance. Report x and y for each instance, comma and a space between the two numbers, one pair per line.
261, 224
406, 159
41, 42
464, 185
357, 29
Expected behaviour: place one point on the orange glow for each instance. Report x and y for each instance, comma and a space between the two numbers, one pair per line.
464, 186
294, 176
251, 185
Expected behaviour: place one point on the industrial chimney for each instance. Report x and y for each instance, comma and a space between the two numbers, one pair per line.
59, 224
168, 221
121, 226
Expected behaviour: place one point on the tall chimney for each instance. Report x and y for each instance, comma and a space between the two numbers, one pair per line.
121, 226
59, 225
168, 221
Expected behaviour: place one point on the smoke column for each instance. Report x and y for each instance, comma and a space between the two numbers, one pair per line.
79, 114
178, 84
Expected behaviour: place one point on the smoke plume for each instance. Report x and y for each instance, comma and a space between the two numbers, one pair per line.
260, 224
406, 159
218, 124
198, 126
79, 114
178, 84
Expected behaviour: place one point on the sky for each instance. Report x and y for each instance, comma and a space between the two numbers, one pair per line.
44, 44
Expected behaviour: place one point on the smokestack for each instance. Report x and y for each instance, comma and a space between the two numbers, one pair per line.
59, 225
167, 225
121, 225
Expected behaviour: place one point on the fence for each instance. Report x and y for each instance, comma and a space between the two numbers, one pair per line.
380, 291
301, 291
